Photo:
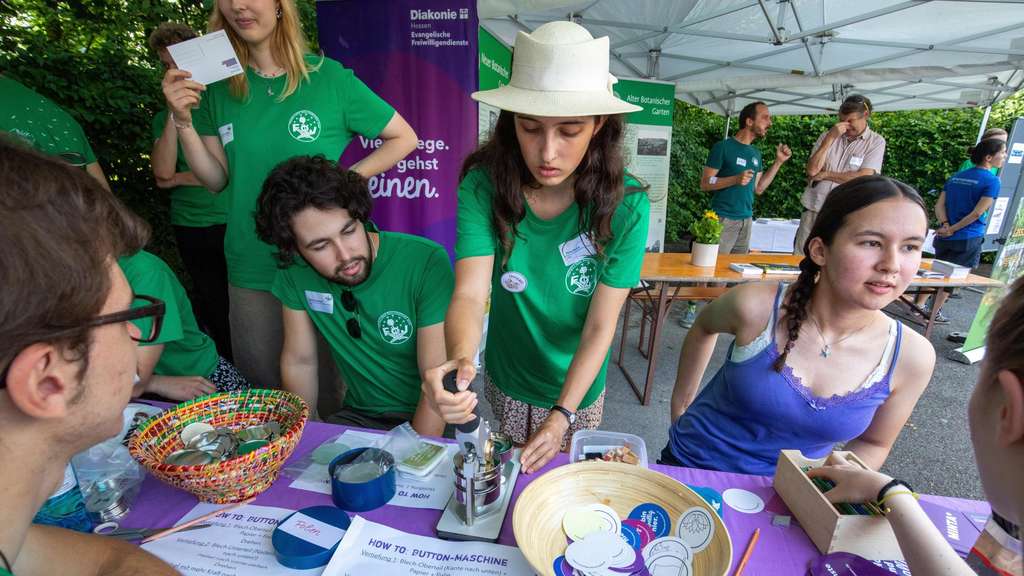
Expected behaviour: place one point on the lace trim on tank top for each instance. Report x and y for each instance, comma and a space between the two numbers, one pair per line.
868, 387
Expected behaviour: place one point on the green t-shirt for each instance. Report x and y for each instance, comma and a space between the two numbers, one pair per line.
409, 287
43, 124
967, 165
533, 334
731, 157
192, 206
187, 350
323, 115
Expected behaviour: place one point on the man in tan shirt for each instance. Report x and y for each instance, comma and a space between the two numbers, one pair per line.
848, 150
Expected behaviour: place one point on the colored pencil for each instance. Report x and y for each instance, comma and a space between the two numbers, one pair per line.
195, 521
746, 555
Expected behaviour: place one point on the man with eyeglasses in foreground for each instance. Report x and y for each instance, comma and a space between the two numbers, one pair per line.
67, 354
848, 150
378, 298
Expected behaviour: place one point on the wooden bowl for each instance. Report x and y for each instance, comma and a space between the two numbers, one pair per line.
537, 517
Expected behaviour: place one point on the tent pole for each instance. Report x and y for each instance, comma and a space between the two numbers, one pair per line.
728, 117
984, 123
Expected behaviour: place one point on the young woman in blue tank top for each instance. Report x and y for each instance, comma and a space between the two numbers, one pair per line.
817, 362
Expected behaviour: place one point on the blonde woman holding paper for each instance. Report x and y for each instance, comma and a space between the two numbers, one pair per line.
233, 132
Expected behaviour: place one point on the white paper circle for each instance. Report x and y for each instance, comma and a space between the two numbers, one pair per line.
581, 522
668, 565
695, 528
743, 500
513, 281
670, 545
610, 516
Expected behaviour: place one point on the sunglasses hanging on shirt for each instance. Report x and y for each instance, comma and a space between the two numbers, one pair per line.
349, 303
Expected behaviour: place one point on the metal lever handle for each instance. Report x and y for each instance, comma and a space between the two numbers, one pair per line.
450, 386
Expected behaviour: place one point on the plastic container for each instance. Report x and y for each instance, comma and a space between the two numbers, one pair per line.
594, 444
361, 495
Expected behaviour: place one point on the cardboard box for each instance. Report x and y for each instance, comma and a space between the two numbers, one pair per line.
868, 536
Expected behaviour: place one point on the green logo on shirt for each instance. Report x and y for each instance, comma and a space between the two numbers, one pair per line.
395, 327
304, 126
581, 278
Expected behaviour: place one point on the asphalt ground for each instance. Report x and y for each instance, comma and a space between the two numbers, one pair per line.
933, 453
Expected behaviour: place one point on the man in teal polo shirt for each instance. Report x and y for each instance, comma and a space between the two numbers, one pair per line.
734, 173
378, 298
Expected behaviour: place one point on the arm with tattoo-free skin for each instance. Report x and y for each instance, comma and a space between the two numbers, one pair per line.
924, 548
430, 352
399, 140
782, 155
299, 370
48, 551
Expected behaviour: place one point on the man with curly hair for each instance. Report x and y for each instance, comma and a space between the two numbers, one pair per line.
378, 298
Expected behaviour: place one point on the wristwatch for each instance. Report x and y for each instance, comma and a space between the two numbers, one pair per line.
569, 415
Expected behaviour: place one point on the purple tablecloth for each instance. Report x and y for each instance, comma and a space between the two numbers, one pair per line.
780, 550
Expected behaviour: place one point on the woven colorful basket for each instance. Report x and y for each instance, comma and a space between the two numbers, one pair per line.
235, 479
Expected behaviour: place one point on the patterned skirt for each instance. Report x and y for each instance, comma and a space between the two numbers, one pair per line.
520, 420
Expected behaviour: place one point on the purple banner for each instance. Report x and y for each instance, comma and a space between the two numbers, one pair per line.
421, 57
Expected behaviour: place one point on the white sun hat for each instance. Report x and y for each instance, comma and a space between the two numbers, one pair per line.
558, 70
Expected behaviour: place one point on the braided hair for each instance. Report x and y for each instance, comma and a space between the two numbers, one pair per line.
842, 201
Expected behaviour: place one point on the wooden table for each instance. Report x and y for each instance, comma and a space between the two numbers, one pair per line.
667, 277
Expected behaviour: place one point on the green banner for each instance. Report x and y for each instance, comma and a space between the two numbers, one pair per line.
1008, 267
657, 98
495, 61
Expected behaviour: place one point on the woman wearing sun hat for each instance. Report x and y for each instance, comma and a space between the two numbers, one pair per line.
553, 229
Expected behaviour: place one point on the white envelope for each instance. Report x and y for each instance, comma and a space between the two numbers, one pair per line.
209, 58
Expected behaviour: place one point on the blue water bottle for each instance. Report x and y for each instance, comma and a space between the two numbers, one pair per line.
66, 507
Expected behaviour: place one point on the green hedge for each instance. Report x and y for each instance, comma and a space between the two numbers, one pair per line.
923, 149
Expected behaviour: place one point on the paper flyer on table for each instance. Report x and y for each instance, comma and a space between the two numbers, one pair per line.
431, 492
237, 544
209, 58
370, 548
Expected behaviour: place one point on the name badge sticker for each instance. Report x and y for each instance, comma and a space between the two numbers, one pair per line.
577, 249
514, 282
320, 301
856, 161
312, 530
741, 161
227, 134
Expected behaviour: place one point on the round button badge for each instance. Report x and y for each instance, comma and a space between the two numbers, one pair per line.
513, 282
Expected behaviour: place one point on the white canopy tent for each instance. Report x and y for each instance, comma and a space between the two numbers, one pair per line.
799, 56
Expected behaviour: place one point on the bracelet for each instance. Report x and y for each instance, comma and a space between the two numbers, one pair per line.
887, 509
179, 124
890, 485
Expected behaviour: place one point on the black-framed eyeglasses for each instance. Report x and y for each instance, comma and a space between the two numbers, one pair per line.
349, 303
152, 312
147, 316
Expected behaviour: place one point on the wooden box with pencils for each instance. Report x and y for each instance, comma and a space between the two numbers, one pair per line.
859, 528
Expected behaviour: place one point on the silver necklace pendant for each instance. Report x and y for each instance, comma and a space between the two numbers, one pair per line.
826, 351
